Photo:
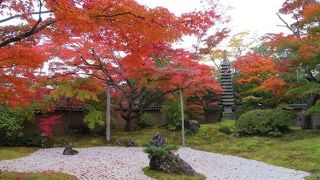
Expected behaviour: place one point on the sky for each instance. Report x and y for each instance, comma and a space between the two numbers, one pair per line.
256, 16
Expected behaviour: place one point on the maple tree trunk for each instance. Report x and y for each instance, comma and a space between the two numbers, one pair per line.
127, 116
138, 115
305, 119
128, 125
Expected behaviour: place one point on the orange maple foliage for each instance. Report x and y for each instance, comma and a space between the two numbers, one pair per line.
254, 67
128, 47
311, 12
121, 25
305, 40
275, 84
17, 65
296, 51
262, 71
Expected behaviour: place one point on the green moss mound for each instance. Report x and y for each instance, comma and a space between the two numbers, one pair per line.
36, 176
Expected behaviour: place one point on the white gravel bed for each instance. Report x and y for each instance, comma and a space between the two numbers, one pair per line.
114, 163
121, 163
221, 167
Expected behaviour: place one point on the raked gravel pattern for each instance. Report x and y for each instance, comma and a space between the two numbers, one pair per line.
220, 167
120, 163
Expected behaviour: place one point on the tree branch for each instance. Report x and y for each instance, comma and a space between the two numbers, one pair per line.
20, 15
25, 35
119, 14
88, 64
287, 25
310, 77
40, 9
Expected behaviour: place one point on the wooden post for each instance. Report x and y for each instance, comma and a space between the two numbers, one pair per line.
108, 106
182, 117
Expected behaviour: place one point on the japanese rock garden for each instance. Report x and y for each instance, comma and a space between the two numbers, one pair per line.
142, 89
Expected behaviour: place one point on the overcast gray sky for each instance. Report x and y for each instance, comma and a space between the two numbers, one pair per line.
257, 16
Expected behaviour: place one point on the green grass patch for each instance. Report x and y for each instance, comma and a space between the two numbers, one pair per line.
140, 137
144, 136
313, 177
4, 175
80, 141
298, 149
165, 176
15, 152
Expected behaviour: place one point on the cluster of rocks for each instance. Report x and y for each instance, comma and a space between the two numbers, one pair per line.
170, 163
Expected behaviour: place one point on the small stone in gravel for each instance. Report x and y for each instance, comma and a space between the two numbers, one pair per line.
69, 151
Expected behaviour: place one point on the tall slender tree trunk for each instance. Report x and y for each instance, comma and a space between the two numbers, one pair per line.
182, 117
108, 117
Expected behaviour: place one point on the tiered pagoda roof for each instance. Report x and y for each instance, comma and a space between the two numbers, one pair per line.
226, 82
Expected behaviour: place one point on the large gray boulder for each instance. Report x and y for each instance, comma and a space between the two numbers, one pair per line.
169, 163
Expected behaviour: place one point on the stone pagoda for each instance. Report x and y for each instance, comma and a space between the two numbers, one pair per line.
227, 88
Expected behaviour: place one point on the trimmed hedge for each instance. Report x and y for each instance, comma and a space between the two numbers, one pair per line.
264, 122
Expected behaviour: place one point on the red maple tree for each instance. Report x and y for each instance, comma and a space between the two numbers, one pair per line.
122, 43
46, 125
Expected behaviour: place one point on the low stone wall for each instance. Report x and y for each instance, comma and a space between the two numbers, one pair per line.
71, 118
60, 128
